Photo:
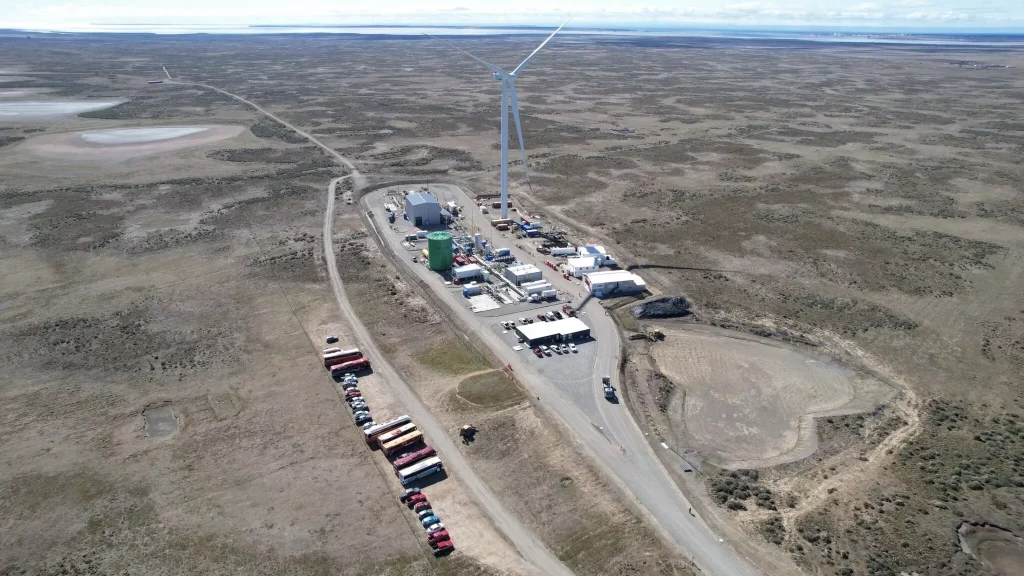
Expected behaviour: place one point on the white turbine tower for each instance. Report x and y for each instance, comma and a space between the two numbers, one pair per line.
508, 92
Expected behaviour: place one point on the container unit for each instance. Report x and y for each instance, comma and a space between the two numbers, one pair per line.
467, 272
439, 248
537, 287
566, 251
471, 289
522, 274
549, 294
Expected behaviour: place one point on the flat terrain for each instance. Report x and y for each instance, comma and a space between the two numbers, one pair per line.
861, 203
747, 404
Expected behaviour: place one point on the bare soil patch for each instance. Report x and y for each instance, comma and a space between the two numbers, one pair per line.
746, 403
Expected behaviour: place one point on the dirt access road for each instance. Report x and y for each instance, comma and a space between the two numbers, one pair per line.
532, 550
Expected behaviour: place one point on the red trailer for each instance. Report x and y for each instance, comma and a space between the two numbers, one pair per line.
342, 356
413, 457
350, 366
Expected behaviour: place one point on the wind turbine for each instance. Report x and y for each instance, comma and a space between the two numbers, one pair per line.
508, 95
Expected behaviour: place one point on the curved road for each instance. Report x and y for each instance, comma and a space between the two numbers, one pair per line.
621, 448
532, 549
619, 445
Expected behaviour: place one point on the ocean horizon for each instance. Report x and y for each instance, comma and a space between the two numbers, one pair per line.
842, 35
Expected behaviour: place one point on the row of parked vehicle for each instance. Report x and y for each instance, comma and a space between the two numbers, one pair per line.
412, 459
542, 351
437, 536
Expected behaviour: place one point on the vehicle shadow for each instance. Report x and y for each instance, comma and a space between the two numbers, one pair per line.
429, 480
358, 373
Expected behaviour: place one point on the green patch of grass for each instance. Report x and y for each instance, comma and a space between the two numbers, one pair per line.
490, 389
452, 357
628, 321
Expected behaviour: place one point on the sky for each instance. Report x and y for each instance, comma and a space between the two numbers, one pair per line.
895, 15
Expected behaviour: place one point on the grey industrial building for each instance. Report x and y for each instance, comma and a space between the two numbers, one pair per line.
423, 209
557, 331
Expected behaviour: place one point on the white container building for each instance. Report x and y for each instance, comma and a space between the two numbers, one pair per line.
535, 287
613, 283
567, 251
523, 273
468, 271
596, 252
582, 265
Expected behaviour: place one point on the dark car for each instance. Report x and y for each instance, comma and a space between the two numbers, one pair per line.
557, 314
444, 547
438, 536
413, 499
408, 493
332, 339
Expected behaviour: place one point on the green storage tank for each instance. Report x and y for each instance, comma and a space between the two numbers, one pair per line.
439, 251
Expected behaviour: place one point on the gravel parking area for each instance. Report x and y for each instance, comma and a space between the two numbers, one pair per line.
573, 373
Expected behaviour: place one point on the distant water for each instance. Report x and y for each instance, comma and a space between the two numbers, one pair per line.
934, 39
46, 108
140, 135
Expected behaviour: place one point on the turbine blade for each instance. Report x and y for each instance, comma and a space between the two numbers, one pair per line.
519, 127
520, 67
480, 60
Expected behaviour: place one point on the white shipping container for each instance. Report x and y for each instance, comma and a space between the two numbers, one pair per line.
549, 294
563, 251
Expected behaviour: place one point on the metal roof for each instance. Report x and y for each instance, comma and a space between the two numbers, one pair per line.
523, 269
610, 276
420, 198
547, 329
582, 262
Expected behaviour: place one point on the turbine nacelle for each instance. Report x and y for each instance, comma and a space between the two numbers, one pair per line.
508, 99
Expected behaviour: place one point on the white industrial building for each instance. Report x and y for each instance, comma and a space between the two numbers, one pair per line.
423, 209
523, 273
557, 331
613, 283
598, 253
582, 265
467, 272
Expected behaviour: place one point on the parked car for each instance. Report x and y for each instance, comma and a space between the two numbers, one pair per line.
437, 537
332, 339
420, 506
522, 320
572, 348
557, 314
369, 424
538, 353
541, 318
556, 349
435, 528
550, 316
360, 407
408, 493
352, 393
444, 547
425, 513
565, 348
348, 385
429, 521
360, 413
363, 419
412, 498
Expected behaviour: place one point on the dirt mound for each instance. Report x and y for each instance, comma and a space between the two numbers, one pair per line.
668, 307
